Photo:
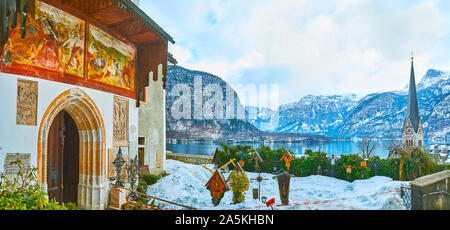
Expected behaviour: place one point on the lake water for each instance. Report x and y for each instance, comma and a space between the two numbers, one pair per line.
336, 147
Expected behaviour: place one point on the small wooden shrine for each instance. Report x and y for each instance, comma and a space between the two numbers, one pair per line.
217, 185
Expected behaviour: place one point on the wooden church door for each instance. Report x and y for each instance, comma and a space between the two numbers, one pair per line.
63, 159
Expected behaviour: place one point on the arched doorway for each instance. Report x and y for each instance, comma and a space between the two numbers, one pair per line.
63, 159
92, 183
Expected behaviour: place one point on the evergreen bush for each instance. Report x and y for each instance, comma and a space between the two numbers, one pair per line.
150, 179
24, 193
239, 184
416, 163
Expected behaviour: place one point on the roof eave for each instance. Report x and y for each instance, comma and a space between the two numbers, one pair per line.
147, 19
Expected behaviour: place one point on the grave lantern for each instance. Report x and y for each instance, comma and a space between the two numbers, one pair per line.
255, 193
264, 199
284, 180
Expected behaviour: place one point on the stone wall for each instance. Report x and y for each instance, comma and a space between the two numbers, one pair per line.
188, 158
431, 192
152, 123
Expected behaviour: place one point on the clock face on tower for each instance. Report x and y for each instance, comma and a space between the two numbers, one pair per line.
408, 130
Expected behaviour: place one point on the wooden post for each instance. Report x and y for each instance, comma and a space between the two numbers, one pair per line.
156, 198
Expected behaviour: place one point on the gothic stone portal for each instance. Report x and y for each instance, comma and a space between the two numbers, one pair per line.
92, 184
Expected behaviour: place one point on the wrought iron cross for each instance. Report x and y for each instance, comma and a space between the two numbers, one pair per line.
118, 163
259, 179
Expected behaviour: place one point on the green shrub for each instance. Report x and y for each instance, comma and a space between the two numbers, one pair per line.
357, 172
150, 179
239, 184
24, 193
144, 181
416, 163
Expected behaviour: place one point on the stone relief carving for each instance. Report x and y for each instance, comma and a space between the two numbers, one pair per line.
11, 170
27, 96
120, 122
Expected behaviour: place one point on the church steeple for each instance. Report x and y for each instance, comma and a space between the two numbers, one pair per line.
413, 105
412, 128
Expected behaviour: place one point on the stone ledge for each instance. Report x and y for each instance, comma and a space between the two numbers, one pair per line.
431, 192
431, 179
188, 158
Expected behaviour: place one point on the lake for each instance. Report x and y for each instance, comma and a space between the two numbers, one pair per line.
335, 147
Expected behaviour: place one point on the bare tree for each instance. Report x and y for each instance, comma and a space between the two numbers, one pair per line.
395, 147
367, 145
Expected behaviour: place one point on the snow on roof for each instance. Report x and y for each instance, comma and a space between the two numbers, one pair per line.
259, 157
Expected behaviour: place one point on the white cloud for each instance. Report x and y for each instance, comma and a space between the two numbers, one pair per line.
182, 55
329, 47
361, 46
224, 67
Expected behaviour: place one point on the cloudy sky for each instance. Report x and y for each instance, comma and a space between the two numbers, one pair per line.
318, 47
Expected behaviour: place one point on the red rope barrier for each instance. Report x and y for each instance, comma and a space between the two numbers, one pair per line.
306, 203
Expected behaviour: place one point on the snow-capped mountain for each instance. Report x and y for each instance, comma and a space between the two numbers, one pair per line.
198, 108
380, 114
312, 114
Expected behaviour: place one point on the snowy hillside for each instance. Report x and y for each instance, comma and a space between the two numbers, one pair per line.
185, 185
205, 126
341, 116
312, 114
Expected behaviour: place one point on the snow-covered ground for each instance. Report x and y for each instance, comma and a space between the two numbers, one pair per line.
185, 185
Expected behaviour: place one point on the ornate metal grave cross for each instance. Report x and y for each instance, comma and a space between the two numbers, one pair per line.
259, 179
118, 163
257, 158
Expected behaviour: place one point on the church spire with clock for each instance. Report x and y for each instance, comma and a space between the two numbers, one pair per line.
412, 134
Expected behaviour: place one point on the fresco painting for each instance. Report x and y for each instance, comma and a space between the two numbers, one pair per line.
54, 41
110, 61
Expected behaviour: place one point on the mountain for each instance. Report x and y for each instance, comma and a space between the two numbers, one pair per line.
312, 114
380, 114
202, 107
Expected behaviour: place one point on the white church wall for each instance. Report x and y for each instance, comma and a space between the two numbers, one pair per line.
23, 139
